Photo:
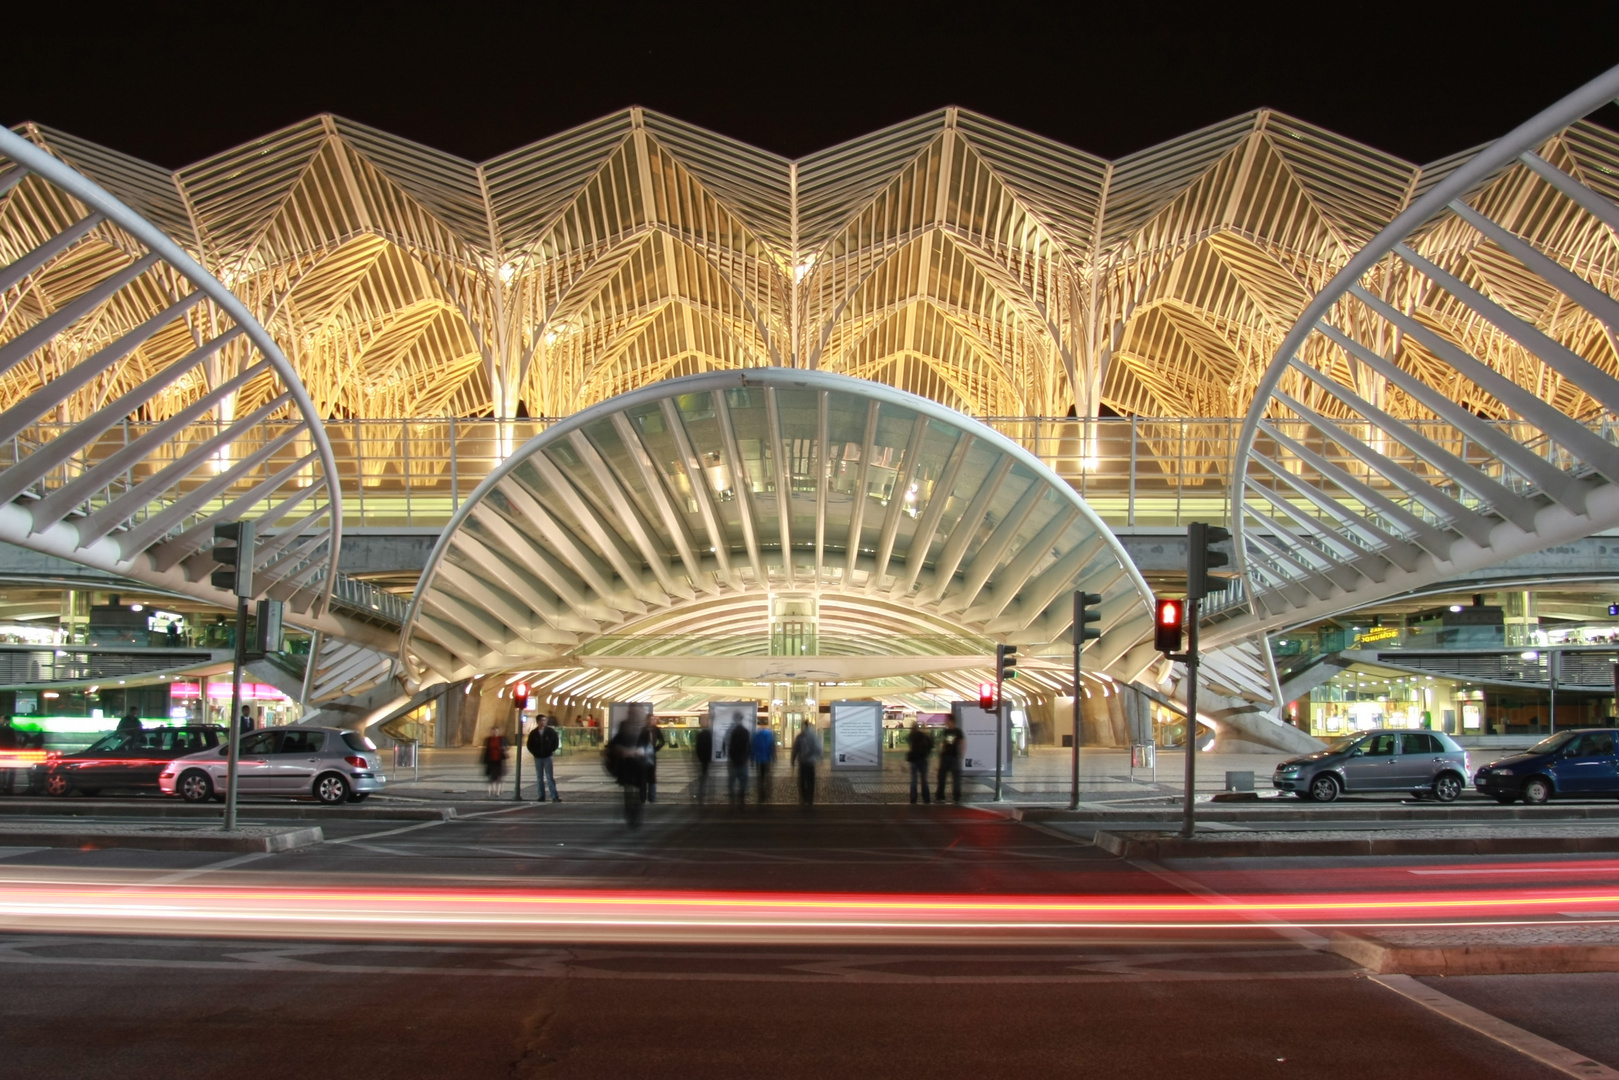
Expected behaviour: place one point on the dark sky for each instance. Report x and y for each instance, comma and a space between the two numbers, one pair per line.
175, 83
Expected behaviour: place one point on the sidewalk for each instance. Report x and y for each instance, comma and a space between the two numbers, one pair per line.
1040, 778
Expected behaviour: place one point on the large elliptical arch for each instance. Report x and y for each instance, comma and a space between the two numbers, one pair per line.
1344, 501
667, 504
144, 506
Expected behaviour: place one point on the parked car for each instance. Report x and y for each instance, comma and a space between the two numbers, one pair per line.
333, 765
124, 759
1570, 763
1419, 762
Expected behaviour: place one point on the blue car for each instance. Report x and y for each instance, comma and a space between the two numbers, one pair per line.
1568, 764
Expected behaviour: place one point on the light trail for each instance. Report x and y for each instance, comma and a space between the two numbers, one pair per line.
539, 915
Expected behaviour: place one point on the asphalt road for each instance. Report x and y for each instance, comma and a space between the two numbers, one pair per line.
1239, 1001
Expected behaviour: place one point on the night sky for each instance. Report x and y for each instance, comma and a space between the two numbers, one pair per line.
176, 83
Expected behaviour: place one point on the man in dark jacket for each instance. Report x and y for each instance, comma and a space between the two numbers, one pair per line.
952, 741
705, 758
919, 747
543, 743
739, 758
130, 722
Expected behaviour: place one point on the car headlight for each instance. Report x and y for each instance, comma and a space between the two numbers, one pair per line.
1500, 772
1290, 771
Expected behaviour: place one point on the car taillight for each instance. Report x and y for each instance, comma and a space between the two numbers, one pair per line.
357, 761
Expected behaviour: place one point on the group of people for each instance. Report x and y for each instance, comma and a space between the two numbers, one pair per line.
543, 743
919, 745
631, 758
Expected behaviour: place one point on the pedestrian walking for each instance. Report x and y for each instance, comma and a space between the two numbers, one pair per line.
952, 742
627, 757
807, 754
764, 757
918, 748
738, 759
494, 762
705, 757
651, 740
543, 743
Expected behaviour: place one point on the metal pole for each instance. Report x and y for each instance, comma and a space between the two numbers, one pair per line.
1079, 645
517, 792
234, 736
1188, 822
1000, 724
1552, 657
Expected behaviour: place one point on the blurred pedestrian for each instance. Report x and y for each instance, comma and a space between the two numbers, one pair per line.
951, 744
807, 754
705, 758
738, 759
764, 757
626, 752
8, 743
543, 743
494, 762
918, 748
651, 741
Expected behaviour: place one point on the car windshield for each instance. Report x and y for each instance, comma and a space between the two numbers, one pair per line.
1552, 743
116, 743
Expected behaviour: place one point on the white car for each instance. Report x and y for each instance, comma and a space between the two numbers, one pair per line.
330, 764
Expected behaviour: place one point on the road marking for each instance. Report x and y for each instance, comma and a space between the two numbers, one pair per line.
386, 832
1527, 870
184, 875
1527, 1043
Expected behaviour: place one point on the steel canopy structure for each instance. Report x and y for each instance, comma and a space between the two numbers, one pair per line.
812, 518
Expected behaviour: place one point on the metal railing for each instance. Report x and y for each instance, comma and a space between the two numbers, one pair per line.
1135, 472
25, 665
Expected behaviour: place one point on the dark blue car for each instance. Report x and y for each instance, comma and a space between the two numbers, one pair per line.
1568, 764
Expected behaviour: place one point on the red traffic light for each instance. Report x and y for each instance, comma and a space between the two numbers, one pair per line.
986, 695
1169, 622
520, 695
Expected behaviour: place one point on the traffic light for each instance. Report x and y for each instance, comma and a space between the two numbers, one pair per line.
1085, 613
520, 696
1005, 662
266, 631
1201, 558
233, 549
1613, 609
986, 696
1169, 622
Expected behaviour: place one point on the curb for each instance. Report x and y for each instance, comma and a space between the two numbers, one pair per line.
1156, 847
282, 840
94, 810
1250, 813
1388, 958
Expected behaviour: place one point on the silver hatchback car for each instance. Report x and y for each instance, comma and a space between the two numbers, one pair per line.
333, 765
1419, 762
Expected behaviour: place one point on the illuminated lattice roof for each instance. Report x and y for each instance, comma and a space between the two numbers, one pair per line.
957, 257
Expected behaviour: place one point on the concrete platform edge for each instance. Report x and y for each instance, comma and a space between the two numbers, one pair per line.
1173, 847
1385, 958
285, 840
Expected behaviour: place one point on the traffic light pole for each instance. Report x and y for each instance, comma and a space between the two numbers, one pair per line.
517, 793
1000, 727
234, 726
1079, 646
1188, 821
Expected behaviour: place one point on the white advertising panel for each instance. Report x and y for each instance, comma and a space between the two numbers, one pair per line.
724, 715
637, 712
857, 735
978, 725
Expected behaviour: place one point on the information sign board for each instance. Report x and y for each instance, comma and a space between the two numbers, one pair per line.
724, 715
857, 735
978, 725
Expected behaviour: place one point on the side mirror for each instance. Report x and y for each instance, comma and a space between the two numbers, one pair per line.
224, 751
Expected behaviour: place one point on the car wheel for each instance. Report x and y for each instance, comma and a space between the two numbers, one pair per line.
1537, 790
58, 785
1324, 788
331, 789
1448, 787
194, 786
